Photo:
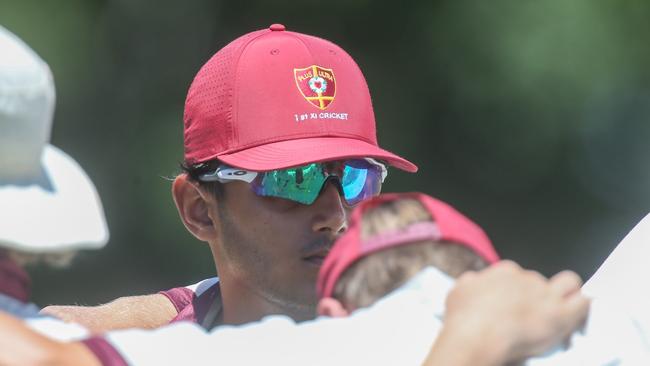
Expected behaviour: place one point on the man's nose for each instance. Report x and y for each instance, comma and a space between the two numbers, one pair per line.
330, 213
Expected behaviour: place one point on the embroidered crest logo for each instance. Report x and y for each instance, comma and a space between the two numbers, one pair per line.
316, 84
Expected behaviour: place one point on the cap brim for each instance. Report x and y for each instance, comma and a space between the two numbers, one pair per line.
285, 154
63, 214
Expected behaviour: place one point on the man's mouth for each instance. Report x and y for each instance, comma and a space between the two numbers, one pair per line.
317, 255
316, 259
317, 250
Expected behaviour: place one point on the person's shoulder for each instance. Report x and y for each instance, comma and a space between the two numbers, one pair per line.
200, 287
190, 300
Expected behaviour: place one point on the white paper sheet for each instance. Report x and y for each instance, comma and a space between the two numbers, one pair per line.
624, 277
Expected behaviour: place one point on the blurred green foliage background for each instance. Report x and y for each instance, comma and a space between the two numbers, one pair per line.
532, 117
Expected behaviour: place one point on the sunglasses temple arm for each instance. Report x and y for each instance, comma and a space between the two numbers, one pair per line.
226, 174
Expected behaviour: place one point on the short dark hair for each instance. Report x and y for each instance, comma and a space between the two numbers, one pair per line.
194, 172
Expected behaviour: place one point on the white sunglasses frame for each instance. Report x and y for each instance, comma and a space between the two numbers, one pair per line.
225, 173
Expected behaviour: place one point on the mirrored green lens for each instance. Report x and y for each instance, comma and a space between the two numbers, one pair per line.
353, 181
361, 180
301, 184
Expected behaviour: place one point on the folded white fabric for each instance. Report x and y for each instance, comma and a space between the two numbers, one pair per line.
397, 330
611, 337
57, 329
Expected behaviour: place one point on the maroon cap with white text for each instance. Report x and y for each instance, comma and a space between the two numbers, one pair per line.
273, 99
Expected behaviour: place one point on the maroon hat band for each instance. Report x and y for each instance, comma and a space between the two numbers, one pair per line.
448, 224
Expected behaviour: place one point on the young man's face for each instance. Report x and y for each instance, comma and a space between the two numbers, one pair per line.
274, 247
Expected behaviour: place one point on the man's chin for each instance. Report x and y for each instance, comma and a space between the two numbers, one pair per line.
304, 308
305, 297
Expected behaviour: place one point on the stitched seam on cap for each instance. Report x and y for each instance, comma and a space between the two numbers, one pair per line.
235, 110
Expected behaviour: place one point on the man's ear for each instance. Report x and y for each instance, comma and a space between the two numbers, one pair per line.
193, 206
331, 307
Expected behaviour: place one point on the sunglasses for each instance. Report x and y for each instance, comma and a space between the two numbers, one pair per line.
358, 179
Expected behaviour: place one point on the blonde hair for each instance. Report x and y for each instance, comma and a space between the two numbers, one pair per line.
377, 274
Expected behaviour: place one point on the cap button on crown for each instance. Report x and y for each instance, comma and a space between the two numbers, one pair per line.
277, 27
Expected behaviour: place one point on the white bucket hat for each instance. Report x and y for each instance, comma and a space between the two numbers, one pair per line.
47, 202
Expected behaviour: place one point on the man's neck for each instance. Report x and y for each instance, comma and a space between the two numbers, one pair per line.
243, 305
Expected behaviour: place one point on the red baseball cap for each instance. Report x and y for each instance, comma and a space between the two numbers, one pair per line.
273, 99
447, 225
